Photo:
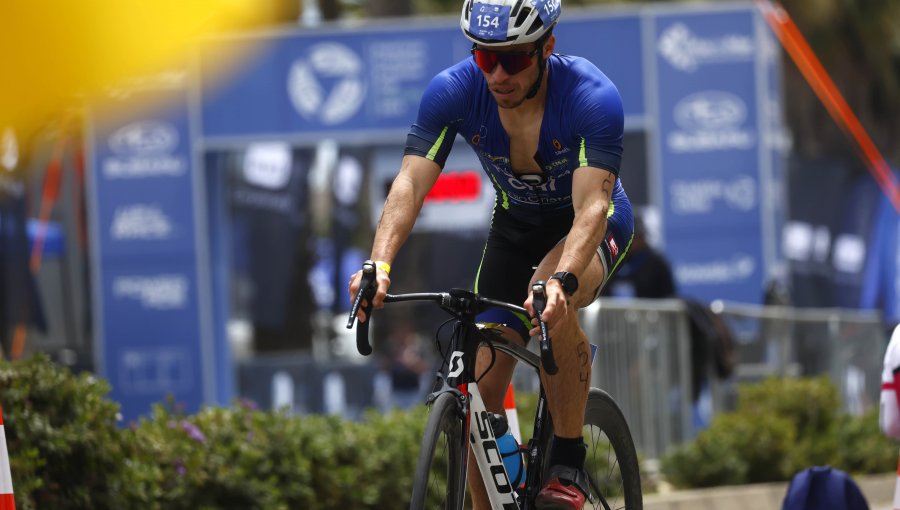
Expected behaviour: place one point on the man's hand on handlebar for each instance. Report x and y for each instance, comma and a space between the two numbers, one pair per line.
555, 311
382, 281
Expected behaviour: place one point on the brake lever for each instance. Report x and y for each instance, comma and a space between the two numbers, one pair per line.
366, 291
539, 302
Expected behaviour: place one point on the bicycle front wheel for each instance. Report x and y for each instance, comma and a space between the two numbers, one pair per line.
611, 463
440, 480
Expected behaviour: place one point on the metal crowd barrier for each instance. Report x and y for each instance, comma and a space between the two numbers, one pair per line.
644, 359
846, 345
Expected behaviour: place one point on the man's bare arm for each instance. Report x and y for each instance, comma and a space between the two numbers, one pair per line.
591, 195
401, 208
416, 178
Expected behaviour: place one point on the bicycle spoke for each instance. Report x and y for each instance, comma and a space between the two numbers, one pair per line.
614, 479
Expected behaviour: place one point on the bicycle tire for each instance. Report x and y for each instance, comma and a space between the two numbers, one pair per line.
440, 479
611, 463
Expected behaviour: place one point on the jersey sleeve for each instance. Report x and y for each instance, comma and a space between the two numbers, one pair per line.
439, 115
600, 125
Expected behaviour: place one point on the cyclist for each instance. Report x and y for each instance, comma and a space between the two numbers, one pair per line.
548, 130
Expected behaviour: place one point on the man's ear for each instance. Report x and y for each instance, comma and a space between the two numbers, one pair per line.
549, 46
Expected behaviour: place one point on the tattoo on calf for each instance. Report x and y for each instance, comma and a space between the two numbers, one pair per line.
584, 365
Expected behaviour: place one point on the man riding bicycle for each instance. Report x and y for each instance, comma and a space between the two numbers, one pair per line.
548, 130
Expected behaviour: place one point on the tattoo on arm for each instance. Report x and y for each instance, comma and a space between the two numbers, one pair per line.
607, 186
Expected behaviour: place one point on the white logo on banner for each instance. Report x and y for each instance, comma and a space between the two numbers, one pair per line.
700, 196
144, 149
142, 138
687, 51
140, 222
327, 85
268, 165
710, 120
737, 268
163, 292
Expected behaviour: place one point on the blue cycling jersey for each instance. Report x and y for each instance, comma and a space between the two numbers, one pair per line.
582, 126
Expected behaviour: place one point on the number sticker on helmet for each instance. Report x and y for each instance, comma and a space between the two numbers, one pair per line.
548, 10
489, 22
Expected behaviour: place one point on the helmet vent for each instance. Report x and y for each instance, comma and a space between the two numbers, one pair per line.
522, 16
535, 26
515, 10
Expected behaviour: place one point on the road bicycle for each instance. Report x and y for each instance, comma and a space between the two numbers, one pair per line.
458, 419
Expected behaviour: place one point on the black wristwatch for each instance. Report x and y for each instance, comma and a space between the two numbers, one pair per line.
568, 280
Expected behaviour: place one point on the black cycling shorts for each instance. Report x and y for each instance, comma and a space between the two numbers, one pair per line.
515, 247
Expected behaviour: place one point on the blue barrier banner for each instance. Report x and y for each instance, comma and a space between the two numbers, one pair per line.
329, 83
881, 271
150, 330
708, 147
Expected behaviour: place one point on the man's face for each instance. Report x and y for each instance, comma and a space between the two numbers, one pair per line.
509, 90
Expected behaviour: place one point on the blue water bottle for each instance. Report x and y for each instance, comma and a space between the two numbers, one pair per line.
509, 449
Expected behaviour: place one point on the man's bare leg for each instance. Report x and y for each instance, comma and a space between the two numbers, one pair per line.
567, 390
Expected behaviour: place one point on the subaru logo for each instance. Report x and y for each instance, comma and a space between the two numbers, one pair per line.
144, 138
710, 110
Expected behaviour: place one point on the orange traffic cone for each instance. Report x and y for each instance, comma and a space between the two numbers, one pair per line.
7, 502
512, 416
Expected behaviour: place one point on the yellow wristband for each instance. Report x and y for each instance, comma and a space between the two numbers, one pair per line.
384, 266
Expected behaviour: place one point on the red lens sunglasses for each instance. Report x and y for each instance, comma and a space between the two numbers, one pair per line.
513, 62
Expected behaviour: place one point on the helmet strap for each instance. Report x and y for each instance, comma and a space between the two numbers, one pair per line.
542, 66
536, 86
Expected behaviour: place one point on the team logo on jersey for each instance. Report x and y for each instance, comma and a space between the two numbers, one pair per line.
613, 247
558, 146
477, 137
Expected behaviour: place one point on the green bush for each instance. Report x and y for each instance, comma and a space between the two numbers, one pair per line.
781, 426
65, 448
862, 447
242, 458
68, 451
735, 449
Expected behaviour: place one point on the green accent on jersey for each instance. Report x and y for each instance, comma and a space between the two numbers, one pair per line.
505, 202
437, 145
611, 210
582, 158
622, 256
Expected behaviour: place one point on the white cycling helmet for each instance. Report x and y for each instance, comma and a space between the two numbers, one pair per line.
493, 23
